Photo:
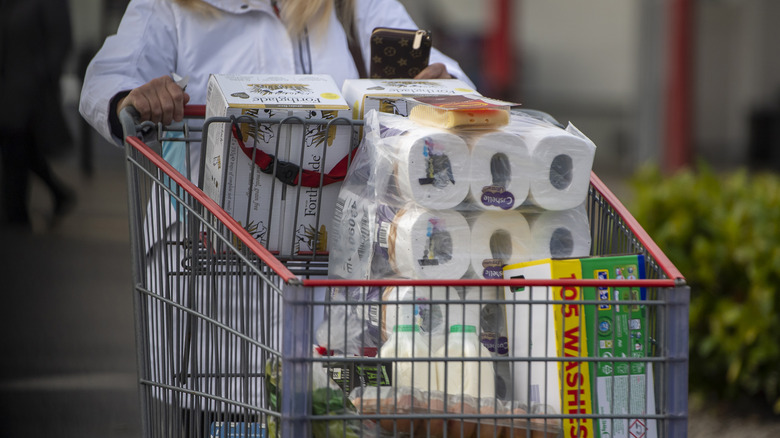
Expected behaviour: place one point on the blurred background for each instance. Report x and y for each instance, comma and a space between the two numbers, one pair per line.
681, 98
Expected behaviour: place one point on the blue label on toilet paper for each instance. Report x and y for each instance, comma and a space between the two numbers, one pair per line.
497, 196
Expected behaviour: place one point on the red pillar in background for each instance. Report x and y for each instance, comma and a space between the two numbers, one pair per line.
678, 148
497, 57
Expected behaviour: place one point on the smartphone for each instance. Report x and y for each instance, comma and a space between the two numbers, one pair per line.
399, 53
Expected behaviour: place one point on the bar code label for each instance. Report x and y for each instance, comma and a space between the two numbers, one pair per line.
383, 234
373, 315
365, 236
338, 214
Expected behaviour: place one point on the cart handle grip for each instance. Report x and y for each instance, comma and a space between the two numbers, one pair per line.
132, 126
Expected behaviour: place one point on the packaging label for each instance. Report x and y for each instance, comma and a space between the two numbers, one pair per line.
622, 387
572, 341
497, 196
236, 430
439, 244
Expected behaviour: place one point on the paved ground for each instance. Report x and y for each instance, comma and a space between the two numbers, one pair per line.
68, 347
68, 367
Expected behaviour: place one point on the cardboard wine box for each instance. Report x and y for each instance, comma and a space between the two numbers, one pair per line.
286, 219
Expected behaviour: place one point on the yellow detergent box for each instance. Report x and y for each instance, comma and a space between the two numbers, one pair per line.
289, 214
387, 95
611, 325
542, 324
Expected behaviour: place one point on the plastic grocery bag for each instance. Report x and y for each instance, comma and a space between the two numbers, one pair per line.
327, 398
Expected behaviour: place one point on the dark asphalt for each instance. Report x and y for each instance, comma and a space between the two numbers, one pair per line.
68, 365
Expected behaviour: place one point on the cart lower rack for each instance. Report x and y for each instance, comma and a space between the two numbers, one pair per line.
228, 335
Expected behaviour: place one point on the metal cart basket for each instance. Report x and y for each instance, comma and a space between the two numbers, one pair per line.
226, 332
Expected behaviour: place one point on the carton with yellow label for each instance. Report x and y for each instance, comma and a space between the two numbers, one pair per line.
289, 214
547, 336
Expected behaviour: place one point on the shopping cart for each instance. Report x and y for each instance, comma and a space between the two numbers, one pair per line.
220, 319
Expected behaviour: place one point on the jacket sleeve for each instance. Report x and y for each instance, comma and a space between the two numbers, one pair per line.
371, 14
143, 48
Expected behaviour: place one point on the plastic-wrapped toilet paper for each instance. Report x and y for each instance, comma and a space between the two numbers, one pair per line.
352, 231
429, 244
498, 238
500, 166
561, 234
562, 163
432, 168
429, 317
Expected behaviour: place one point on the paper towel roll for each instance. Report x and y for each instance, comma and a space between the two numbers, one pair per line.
432, 168
559, 234
429, 244
499, 238
500, 166
562, 163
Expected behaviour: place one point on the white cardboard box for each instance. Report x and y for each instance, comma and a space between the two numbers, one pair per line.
286, 219
387, 95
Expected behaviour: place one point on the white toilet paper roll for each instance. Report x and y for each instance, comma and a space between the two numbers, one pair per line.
499, 170
351, 236
429, 244
559, 234
562, 164
499, 238
433, 168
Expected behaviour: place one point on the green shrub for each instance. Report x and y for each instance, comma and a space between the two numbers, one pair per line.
723, 233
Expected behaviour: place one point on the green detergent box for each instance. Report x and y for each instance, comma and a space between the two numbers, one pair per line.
618, 331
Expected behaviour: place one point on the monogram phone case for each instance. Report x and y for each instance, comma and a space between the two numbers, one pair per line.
399, 53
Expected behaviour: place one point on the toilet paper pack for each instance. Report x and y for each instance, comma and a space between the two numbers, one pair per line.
415, 185
562, 160
353, 226
285, 219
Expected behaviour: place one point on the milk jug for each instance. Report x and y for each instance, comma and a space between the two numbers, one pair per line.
407, 342
473, 378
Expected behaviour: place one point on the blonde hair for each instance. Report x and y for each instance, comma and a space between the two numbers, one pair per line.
297, 15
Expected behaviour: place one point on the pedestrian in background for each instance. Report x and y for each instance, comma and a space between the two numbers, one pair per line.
34, 43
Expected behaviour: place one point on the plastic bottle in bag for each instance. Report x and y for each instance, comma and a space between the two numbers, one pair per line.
465, 378
407, 342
